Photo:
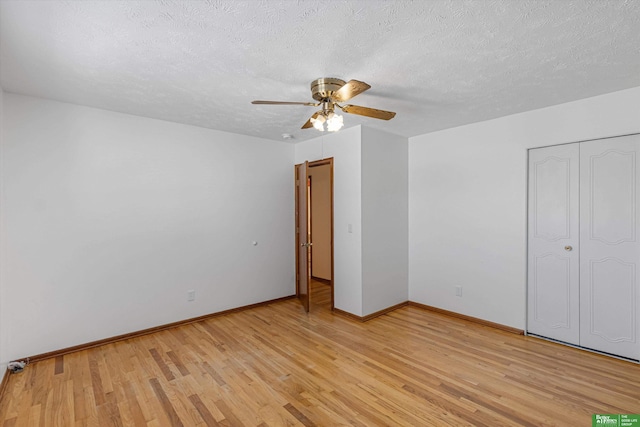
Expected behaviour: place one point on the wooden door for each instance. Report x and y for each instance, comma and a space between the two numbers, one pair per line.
610, 246
302, 243
554, 253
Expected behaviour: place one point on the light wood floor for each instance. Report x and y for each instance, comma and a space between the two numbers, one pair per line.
278, 366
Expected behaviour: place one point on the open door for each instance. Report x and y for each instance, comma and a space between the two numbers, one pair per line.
302, 234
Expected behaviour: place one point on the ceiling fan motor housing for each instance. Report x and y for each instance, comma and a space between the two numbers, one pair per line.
322, 89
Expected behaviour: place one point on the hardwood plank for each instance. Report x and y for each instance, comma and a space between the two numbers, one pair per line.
216, 377
133, 405
178, 363
33, 418
59, 365
164, 368
109, 415
228, 413
299, 415
96, 382
203, 411
169, 410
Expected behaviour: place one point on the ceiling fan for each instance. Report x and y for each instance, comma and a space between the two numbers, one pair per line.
329, 91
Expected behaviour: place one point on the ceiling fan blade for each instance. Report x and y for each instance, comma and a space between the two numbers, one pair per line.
311, 104
369, 112
308, 124
349, 90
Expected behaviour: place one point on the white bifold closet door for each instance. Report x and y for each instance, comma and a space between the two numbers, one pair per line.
554, 272
610, 246
584, 244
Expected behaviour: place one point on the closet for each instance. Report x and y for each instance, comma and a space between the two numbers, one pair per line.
583, 284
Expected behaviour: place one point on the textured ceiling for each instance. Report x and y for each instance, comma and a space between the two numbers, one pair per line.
438, 63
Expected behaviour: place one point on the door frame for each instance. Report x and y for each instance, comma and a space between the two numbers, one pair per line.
327, 161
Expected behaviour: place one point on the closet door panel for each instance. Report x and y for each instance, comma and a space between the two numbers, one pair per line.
610, 246
553, 274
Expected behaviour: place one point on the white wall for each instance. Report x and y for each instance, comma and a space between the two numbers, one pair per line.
344, 147
3, 362
108, 219
384, 220
467, 202
370, 193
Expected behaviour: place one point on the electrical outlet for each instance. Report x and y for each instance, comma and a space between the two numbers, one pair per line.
191, 295
458, 291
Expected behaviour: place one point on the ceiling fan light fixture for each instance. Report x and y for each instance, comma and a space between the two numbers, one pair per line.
318, 122
334, 122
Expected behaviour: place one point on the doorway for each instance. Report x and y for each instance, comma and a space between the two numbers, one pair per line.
314, 234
